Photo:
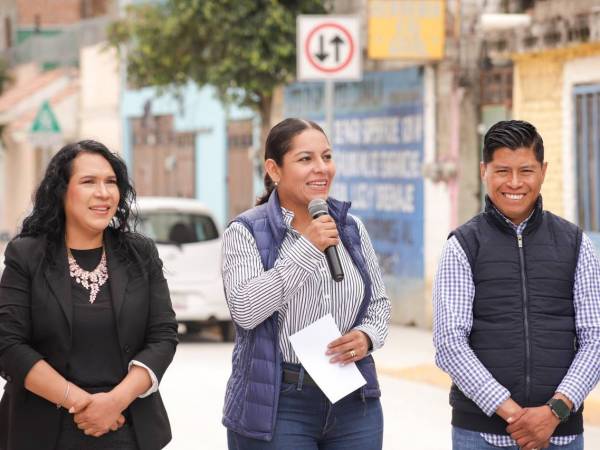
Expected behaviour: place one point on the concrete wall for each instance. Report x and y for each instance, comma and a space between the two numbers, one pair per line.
437, 202
451, 143
25, 162
4, 234
8, 11
67, 112
24, 159
100, 96
19, 159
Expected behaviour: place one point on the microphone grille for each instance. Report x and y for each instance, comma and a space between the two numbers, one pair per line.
317, 206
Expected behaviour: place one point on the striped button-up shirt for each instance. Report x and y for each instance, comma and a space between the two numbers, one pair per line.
299, 286
453, 296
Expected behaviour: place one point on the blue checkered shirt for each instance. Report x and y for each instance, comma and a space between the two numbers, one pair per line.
453, 295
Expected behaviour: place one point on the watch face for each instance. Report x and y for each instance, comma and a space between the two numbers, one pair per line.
560, 408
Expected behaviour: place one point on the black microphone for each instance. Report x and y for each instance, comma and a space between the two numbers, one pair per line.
317, 208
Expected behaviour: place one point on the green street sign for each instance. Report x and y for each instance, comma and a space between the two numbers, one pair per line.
45, 121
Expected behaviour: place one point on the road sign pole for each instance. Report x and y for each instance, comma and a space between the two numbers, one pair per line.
329, 99
328, 48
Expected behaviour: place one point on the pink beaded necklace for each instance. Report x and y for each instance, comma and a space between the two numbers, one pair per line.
91, 281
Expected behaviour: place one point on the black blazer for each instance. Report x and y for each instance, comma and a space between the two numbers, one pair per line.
35, 323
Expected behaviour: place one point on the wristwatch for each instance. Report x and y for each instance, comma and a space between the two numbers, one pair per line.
559, 409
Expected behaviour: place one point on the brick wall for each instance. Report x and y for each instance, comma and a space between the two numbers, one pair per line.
8, 23
239, 166
537, 98
59, 12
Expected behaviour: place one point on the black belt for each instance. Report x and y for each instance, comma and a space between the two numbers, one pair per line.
293, 376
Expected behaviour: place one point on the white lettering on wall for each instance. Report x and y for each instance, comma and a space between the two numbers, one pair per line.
377, 167
378, 163
379, 130
387, 197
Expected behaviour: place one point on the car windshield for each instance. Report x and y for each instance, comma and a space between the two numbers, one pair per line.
169, 227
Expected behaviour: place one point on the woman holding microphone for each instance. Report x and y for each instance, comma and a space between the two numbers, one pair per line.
277, 282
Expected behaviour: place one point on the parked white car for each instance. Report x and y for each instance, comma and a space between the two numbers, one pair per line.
189, 244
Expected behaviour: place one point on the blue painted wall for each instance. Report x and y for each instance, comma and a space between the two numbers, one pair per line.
196, 110
377, 138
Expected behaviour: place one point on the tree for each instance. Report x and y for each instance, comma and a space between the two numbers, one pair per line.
5, 76
5, 80
244, 48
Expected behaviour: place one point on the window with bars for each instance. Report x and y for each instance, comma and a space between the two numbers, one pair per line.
496, 85
587, 147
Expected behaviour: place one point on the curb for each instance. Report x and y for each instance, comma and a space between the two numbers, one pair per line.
433, 376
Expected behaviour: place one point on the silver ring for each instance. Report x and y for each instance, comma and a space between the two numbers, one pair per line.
352, 353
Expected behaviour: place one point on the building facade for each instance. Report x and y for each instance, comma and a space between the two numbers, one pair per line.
169, 136
241, 171
557, 88
53, 99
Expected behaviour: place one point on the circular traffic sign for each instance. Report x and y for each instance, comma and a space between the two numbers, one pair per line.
326, 53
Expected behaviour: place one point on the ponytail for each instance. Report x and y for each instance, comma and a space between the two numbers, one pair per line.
269, 187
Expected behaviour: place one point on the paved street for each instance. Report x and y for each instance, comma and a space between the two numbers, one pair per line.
415, 395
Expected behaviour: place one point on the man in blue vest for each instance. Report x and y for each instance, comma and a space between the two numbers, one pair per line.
517, 309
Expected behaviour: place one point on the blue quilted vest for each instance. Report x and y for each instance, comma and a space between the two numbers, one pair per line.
253, 388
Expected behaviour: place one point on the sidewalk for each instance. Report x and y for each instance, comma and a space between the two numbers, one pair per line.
409, 355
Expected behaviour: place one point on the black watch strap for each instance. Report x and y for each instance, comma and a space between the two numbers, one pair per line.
559, 409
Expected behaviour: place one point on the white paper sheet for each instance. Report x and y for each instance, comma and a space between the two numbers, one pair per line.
310, 345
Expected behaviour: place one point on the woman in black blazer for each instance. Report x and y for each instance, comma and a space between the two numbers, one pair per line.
86, 324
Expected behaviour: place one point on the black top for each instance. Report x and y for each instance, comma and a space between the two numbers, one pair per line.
523, 315
36, 306
95, 360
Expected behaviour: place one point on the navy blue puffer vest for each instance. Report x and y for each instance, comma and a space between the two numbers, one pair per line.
523, 315
253, 388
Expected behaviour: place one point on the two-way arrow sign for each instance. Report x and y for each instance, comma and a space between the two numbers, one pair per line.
336, 42
321, 56
328, 47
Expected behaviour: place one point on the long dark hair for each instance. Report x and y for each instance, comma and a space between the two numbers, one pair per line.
278, 144
48, 215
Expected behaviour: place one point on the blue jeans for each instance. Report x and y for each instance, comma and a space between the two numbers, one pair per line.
306, 420
471, 440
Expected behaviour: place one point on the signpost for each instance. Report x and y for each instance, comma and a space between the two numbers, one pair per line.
328, 48
45, 130
45, 135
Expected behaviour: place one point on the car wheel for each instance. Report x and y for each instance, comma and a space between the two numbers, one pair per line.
189, 329
227, 331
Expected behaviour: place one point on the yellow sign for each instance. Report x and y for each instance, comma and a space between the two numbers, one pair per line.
406, 29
